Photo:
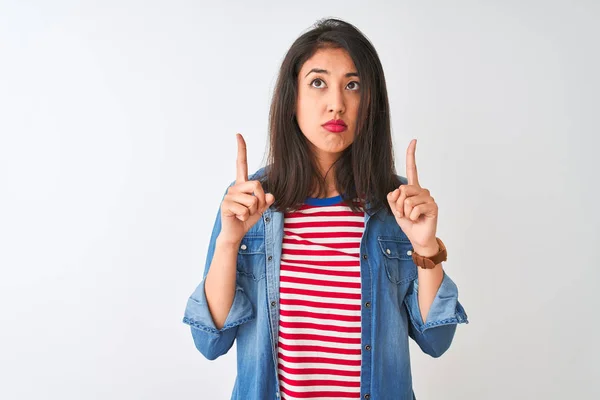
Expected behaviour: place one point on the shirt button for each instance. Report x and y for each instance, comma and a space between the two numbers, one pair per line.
368, 347
244, 247
368, 304
388, 251
409, 252
270, 258
367, 396
273, 304
267, 219
365, 256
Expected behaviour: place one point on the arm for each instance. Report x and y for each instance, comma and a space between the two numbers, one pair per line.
434, 311
429, 279
219, 283
442, 311
218, 305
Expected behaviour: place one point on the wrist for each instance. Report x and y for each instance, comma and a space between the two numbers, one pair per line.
223, 242
427, 250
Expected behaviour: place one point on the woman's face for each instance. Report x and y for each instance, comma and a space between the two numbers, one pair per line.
328, 89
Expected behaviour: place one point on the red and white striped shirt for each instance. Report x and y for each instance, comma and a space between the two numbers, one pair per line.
320, 302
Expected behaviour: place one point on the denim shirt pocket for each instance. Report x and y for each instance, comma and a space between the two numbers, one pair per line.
397, 257
251, 257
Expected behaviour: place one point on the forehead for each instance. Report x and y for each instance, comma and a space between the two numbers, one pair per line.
336, 61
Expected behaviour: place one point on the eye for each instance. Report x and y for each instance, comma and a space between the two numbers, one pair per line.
355, 84
321, 84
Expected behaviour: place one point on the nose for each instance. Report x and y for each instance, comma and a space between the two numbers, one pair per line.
336, 103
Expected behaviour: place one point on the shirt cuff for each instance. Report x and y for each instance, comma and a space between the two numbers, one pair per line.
197, 314
445, 309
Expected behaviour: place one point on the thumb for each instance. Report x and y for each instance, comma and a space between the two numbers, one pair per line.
270, 200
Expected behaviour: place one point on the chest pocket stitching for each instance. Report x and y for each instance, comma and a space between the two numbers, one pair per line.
399, 265
251, 257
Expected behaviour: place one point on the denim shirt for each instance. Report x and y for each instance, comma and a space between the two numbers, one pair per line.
390, 310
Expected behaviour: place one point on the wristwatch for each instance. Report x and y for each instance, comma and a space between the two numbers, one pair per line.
431, 262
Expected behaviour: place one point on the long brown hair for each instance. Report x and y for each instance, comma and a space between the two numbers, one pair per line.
365, 170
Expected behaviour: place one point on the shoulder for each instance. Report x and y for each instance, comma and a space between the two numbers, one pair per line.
258, 174
261, 173
402, 179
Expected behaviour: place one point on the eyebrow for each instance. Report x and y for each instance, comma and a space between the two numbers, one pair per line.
324, 71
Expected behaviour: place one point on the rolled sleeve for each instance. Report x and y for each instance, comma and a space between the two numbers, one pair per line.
197, 314
435, 335
210, 341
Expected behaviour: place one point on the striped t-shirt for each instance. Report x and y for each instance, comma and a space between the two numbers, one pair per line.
319, 342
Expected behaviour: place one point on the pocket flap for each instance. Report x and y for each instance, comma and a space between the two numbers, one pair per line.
252, 245
395, 248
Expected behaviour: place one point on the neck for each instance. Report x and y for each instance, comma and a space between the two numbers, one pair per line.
325, 163
329, 176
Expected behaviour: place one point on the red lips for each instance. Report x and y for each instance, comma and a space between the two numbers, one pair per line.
335, 125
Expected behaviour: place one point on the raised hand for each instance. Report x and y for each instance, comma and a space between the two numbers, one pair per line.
245, 201
415, 210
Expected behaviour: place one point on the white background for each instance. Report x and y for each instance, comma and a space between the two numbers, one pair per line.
118, 122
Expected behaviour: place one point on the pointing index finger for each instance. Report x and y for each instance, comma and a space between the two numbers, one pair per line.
411, 164
242, 160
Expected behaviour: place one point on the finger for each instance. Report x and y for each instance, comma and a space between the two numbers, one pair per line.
422, 209
411, 164
247, 200
392, 197
405, 192
260, 195
270, 199
411, 202
250, 187
242, 161
233, 209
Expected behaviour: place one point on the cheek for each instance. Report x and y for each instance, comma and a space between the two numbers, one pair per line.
353, 105
306, 111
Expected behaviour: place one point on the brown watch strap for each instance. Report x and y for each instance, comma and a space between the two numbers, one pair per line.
431, 262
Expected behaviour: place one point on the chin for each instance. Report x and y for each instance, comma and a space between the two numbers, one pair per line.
329, 142
334, 149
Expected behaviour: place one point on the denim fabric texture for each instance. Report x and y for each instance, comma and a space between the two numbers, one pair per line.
390, 310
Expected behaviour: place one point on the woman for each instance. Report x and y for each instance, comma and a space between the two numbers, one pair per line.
322, 264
